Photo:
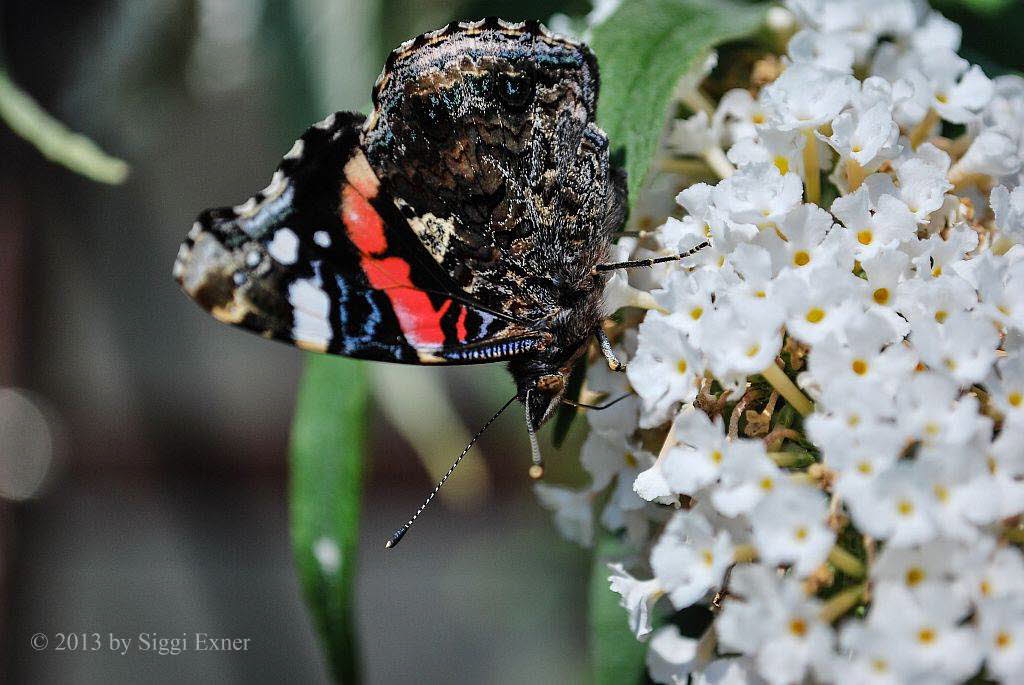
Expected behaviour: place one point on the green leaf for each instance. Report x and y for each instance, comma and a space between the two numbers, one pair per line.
617, 657
326, 479
643, 50
53, 139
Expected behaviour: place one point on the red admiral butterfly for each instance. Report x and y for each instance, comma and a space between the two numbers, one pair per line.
462, 222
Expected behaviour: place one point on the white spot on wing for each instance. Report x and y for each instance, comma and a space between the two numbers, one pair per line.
327, 123
296, 150
285, 246
310, 311
322, 238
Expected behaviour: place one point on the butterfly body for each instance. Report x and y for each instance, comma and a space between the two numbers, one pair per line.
461, 222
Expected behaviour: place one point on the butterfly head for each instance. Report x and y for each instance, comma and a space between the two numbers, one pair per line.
542, 395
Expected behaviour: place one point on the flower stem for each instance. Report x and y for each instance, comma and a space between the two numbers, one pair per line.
839, 604
855, 174
785, 459
846, 562
718, 162
812, 172
924, 128
787, 388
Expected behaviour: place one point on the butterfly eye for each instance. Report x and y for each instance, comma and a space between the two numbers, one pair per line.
515, 90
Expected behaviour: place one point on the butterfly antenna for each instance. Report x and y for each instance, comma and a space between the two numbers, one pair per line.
537, 468
651, 262
397, 536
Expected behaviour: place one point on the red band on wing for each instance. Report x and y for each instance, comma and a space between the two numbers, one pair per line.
420, 322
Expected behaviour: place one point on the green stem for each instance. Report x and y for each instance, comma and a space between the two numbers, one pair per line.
839, 604
787, 388
53, 139
846, 562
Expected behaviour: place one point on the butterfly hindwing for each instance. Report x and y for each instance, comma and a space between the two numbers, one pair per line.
323, 258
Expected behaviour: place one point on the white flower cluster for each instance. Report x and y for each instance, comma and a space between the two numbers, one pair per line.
841, 380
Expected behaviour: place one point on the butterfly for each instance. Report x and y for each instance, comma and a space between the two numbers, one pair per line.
464, 221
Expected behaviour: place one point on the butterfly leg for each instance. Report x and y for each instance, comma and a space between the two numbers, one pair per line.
650, 262
606, 349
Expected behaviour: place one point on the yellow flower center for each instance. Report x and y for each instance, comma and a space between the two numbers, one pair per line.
865, 467
881, 296
696, 313
905, 507
1003, 639
707, 557
942, 97
800, 533
950, 364
782, 164
815, 315
985, 587
937, 271
753, 350
798, 627
879, 665
941, 315
716, 456
941, 492
859, 366
767, 483
801, 258
865, 237
758, 118
926, 636
1014, 398
681, 366
992, 464
915, 575
759, 293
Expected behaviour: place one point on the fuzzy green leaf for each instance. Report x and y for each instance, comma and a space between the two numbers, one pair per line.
326, 479
616, 656
644, 48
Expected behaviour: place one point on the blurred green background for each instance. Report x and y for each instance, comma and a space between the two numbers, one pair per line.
162, 435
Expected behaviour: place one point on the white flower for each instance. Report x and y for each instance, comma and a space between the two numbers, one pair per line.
806, 96
922, 178
638, 598
774, 621
991, 573
801, 239
1001, 634
740, 343
916, 567
690, 558
864, 356
574, 516
868, 137
964, 346
826, 50
671, 657
789, 528
993, 153
1006, 388
748, 476
818, 301
694, 135
1008, 208
665, 369
697, 460
758, 194
895, 506
878, 224
923, 627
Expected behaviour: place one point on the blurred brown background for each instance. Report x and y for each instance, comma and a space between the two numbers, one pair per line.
142, 463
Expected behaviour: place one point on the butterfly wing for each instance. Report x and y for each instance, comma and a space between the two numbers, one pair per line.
324, 259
